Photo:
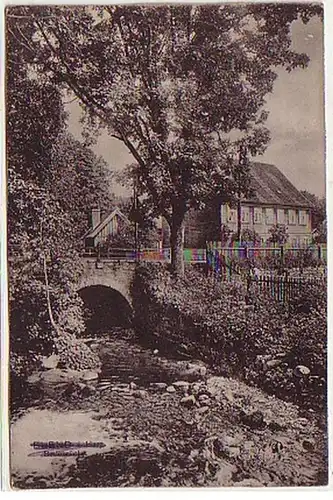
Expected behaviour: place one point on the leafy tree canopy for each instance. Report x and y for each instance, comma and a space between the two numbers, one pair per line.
318, 216
182, 86
318, 208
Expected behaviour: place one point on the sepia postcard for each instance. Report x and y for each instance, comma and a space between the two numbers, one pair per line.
166, 245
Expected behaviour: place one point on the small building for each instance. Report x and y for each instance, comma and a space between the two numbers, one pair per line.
102, 228
275, 200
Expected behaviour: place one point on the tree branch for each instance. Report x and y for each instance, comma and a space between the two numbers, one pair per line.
20, 41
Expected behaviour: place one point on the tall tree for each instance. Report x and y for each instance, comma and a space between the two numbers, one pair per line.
47, 173
81, 180
174, 84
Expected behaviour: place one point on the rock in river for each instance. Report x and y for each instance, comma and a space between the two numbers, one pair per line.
188, 401
301, 371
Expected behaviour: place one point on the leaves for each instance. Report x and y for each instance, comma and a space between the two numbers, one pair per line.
214, 321
278, 234
318, 216
52, 182
173, 83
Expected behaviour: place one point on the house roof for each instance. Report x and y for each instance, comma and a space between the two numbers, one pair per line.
92, 232
272, 187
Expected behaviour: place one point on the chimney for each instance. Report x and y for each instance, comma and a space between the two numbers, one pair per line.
95, 216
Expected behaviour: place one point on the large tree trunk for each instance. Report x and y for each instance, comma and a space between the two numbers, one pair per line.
177, 229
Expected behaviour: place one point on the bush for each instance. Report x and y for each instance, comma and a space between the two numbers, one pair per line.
74, 353
310, 298
214, 320
306, 340
31, 333
300, 258
231, 327
310, 341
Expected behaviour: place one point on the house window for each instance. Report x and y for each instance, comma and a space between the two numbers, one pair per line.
270, 216
292, 217
257, 215
232, 215
245, 215
280, 216
302, 218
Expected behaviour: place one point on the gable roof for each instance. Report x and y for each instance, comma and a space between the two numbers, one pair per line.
272, 187
92, 232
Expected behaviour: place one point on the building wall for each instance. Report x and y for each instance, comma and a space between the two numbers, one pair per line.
200, 226
194, 235
110, 229
262, 218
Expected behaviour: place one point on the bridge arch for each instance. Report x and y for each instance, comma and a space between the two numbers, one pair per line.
112, 274
105, 308
106, 282
105, 288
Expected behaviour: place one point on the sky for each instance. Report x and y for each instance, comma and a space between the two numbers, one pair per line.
296, 119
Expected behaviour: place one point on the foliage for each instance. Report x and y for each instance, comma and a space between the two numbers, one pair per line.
278, 234
232, 327
310, 298
196, 316
300, 258
141, 213
47, 174
318, 216
172, 83
320, 232
305, 335
225, 234
74, 353
310, 347
248, 237
81, 180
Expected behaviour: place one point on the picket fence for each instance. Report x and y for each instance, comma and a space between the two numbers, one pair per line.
283, 288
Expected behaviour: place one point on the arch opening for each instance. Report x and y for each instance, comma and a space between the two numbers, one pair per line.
104, 309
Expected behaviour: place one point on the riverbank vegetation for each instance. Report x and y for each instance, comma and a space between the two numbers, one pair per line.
239, 331
53, 180
174, 114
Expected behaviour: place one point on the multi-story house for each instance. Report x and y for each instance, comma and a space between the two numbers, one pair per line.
275, 200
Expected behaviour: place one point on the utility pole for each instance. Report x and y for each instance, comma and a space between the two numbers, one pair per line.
241, 157
135, 206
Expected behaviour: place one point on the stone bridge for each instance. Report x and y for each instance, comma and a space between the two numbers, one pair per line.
117, 275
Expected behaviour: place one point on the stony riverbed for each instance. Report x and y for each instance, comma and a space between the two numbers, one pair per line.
163, 422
